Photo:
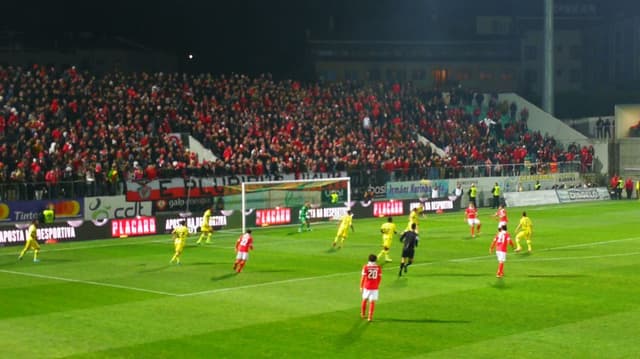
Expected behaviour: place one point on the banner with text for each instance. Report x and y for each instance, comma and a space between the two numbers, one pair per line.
26, 211
583, 194
530, 198
194, 187
195, 205
75, 230
167, 223
104, 208
417, 189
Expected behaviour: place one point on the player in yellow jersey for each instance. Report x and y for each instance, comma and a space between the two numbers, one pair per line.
343, 229
413, 218
205, 228
179, 235
526, 230
388, 230
32, 242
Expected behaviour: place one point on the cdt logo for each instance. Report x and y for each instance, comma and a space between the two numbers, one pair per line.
100, 209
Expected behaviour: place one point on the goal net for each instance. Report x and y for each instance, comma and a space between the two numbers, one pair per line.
278, 202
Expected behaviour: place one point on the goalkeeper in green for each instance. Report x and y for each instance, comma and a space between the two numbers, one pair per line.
303, 216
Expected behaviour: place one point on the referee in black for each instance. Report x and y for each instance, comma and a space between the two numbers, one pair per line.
409, 240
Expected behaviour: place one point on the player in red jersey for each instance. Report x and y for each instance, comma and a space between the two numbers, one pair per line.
471, 216
369, 283
500, 243
501, 215
243, 245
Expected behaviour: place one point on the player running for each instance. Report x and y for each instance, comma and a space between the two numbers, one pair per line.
500, 242
205, 229
388, 230
409, 240
501, 215
413, 219
471, 216
32, 242
343, 229
526, 230
243, 245
179, 235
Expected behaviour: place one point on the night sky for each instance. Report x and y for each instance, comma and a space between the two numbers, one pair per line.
256, 36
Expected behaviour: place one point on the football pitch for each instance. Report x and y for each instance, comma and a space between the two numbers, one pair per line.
576, 296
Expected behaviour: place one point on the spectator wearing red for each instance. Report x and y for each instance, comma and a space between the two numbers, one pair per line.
628, 186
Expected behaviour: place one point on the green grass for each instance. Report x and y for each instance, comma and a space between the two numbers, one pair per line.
576, 296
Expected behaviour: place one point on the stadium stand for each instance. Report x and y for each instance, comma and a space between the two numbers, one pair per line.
67, 132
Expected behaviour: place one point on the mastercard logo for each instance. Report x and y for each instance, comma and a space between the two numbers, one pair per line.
4, 211
67, 208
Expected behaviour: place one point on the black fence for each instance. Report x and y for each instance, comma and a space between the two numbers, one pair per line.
360, 179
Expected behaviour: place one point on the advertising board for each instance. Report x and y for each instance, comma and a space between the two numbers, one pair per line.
26, 211
131, 227
168, 223
103, 208
583, 194
16, 234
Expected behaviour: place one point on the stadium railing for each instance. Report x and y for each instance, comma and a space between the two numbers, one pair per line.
20, 191
360, 177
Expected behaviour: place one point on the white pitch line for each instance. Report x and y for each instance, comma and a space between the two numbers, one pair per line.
228, 289
293, 280
88, 282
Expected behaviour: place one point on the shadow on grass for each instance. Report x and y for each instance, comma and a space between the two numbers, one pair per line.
400, 282
423, 320
224, 276
154, 269
352, 335
499, 284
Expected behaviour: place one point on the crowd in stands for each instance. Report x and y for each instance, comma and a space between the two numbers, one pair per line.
64, 125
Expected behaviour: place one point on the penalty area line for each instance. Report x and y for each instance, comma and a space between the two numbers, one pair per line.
88, 282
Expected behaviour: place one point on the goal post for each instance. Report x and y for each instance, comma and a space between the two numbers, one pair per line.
281, 196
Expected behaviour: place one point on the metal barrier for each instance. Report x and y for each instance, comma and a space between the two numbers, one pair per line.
11, 191
381, 177
20, 191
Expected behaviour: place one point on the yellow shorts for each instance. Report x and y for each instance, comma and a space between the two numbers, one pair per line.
524, 234
178, 244
204, 229
343, 232
32, 244
387, 243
